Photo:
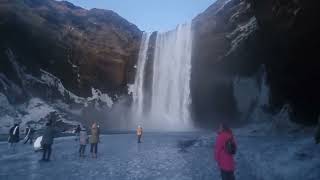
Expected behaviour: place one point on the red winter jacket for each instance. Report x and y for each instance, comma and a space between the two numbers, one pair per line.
224, 159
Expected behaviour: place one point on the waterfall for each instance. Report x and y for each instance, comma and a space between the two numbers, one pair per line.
171, 76
138, 87
171, 70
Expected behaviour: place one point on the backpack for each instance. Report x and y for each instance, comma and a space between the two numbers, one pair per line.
230, 147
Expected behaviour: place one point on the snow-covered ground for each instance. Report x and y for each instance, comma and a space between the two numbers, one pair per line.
167, 156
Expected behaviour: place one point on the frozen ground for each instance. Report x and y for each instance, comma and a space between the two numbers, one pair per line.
166, 156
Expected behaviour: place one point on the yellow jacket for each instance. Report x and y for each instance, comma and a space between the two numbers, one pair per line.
139, 131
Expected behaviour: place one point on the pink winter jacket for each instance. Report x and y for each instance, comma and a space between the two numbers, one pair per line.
224, 159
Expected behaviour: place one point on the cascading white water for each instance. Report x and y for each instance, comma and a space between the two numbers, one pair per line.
138, 87
170, 91
171, 76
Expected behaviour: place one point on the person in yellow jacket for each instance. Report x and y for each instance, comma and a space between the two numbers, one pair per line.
94, 140
139, 133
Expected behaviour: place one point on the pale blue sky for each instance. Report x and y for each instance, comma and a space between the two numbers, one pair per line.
151, 15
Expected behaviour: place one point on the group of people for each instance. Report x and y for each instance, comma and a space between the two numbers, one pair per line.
94, 139
84, 139
224, 150
48, 137
81, 136
14, 135
225, 146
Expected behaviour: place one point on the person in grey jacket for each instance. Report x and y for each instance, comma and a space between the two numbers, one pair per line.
47, 141
83, 140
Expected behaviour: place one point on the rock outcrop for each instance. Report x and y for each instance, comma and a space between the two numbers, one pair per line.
290, 33
225, 41
84, 48
235, 38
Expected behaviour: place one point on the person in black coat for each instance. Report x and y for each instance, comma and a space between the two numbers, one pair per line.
14, 136
47, 141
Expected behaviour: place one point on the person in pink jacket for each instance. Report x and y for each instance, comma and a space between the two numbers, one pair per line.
224, 150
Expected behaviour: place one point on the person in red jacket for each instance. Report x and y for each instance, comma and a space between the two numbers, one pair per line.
224, 150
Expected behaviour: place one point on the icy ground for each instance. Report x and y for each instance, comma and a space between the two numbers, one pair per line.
166, 156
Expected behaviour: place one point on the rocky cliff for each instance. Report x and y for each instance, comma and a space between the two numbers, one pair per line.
62, 58
84, 48
234, 39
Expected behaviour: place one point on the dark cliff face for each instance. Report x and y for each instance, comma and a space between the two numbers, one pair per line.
224, 46
235, 38
84, 48
290, 31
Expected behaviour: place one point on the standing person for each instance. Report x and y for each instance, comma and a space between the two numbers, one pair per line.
77, 132
47, 141
14, 136
225, 148
83, 139
94, 140
29, 135
139, 133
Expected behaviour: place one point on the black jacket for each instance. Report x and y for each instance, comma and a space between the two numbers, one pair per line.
14, 136
48, 135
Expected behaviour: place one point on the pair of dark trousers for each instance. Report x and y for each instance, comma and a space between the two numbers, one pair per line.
46, 151
82, 149
227, 175
94, 148
139, 138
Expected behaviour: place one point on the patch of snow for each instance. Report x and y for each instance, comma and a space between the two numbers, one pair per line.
35, 110
66, 107
8, 85
8, 114
6, 123
242, 33
5, 106
17, 68
281, 121
244, 8
53, 81
223, 6
98, 95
